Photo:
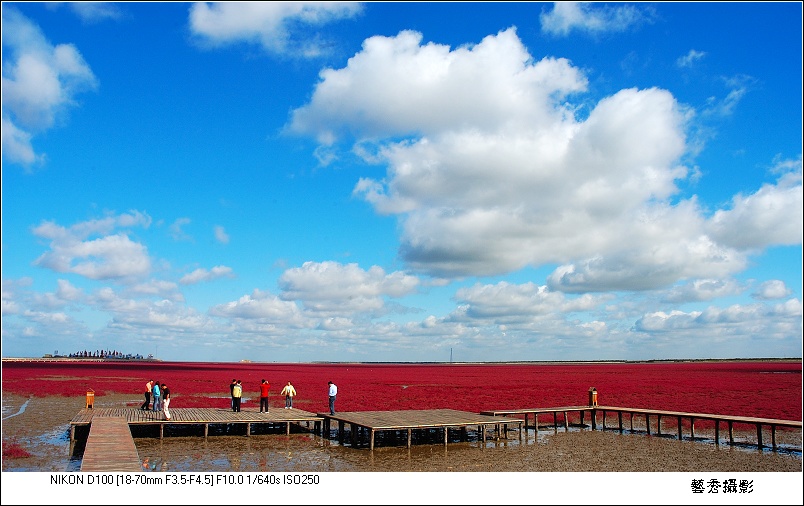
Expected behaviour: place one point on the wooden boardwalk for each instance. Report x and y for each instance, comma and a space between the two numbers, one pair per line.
110, 447
729, 420
526, 412
197, 416
371, 422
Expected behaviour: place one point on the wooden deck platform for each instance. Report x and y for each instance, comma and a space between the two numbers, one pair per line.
110, 447
197, 416
730, 420
371, 422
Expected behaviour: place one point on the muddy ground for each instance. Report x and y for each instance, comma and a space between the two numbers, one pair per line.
36, 438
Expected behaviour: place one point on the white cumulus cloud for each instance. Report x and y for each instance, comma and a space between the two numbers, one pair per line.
331, 286
592, 17
269, 24
40, 83
112, 256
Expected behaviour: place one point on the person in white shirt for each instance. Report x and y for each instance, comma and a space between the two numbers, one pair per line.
333, 391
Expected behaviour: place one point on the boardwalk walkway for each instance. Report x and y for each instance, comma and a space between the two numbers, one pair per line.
526, 412
370, 422
197, 416
729, 420
110, 447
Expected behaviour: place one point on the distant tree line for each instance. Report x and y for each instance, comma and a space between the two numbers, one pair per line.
112, 354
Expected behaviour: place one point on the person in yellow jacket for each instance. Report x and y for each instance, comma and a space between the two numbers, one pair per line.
237, 393
288, 392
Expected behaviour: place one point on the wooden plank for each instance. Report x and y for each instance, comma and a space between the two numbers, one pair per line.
110, 447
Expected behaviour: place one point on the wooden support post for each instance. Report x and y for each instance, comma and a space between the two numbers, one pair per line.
72, 432
483, 430
536, 424
731, 432
647, 422
555, 420
371, 440
773, 437
717, 432
526, 422
287, 428
340, 431
604, 419
594, 419
409, 437
658, 425
632, 421
161, 430
566, 421
248, 429
620, 420
759, 435
679, 428
353, 431
692, 428
446, 435
206, 430
582, 412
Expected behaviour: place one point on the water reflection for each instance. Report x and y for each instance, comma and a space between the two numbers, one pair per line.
311, 453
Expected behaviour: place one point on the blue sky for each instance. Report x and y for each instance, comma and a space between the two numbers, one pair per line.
298, 182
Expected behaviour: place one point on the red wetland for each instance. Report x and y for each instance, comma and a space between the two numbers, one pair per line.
752, 388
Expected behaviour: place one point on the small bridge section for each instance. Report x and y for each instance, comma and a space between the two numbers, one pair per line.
526, 412
729, 420
371, 422
110, 447
657, 415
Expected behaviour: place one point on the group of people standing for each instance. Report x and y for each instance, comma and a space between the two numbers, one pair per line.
236, 389
161, 396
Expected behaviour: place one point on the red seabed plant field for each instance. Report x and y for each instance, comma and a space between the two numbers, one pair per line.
768, 389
